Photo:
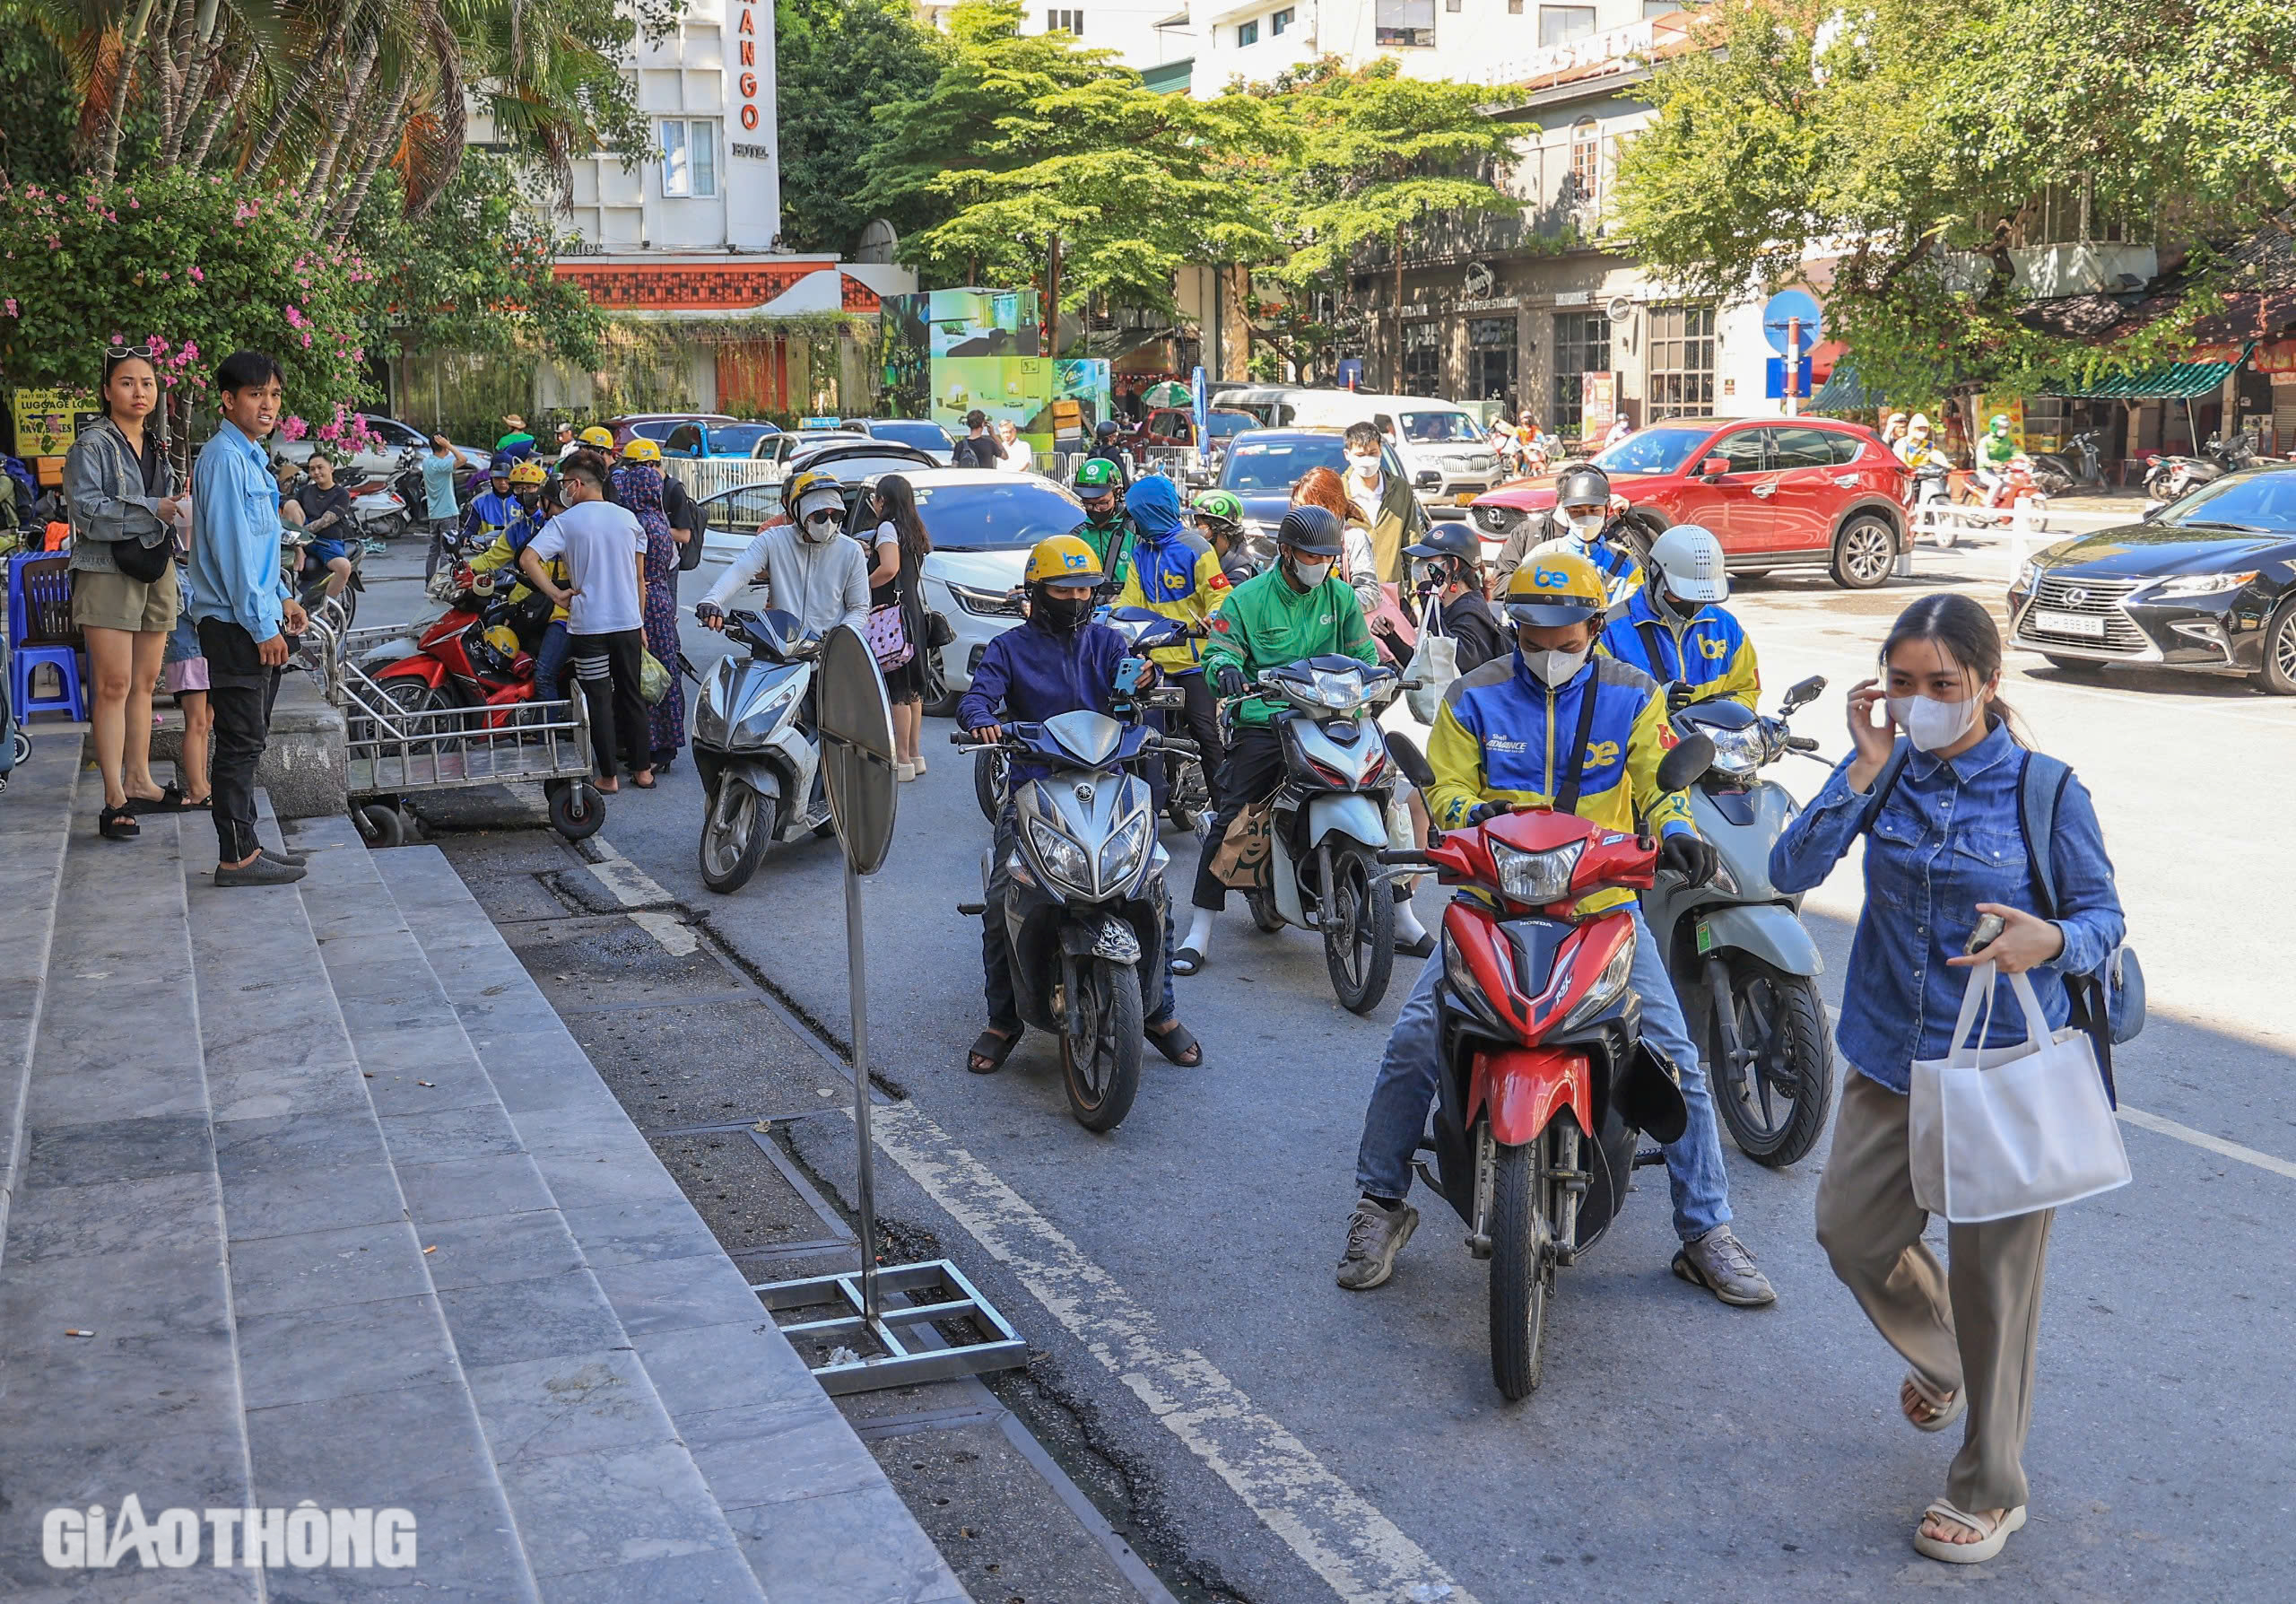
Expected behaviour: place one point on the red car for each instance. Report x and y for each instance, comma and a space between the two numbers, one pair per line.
1776, 491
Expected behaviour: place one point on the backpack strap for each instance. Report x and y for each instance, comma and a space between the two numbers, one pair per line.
1652, 636
1566, 795
1884, 783
2040, 785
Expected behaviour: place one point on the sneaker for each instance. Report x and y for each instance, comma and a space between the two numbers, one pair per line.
1719, 1262
1374, 1237
292, 859
262, 871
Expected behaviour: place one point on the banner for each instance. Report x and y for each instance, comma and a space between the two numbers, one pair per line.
1598, 403
49, 421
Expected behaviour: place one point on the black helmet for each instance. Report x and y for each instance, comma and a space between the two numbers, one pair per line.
1585, 486
1449, 540
1105, 430
1310, 529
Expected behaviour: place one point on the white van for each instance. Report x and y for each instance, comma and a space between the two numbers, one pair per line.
1443, 446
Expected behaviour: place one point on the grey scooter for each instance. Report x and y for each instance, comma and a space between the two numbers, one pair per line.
1743, 966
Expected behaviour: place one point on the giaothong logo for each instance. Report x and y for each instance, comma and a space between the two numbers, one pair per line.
305, 1537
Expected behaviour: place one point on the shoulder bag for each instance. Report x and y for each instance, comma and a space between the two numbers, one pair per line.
888, 636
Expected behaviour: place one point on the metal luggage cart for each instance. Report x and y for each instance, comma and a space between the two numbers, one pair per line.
395, 752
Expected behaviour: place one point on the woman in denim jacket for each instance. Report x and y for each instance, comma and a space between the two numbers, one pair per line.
121, 489
1944, 847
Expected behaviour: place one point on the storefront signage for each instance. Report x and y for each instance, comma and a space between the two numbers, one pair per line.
1479, 280
2278, 356
47, 421
1573, 297
745, 80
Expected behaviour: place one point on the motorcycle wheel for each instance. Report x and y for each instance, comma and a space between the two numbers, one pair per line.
576, 810
991, 769
1522, 1268
1359, 925
734, 836
406, 695
1261, 902
380, 826
1100, 1043
1776, 1105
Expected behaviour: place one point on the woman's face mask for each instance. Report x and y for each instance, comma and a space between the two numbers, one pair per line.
1933, 725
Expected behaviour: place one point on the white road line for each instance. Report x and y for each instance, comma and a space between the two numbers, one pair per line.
2200, 1138
631, 885
668, 929
1365, 1557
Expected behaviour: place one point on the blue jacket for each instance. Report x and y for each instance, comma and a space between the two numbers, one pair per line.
1711, 653
234, 568
1029, 675
1946, 839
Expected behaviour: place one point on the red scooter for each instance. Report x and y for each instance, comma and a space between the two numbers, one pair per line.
468, 656
1544, 1077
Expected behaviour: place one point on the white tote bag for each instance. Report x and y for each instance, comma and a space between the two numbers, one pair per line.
1434, 664
2008, 1131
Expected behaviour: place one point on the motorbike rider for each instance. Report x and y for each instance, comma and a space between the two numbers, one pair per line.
1106, 528
1675, 630
1176, 573
1914, 446
806, 566
1108, 445
1220, 519
1996, 450
1056, 663
1447, 588
1299, 608
554, 647
1512, 731
1591, 526
493, 512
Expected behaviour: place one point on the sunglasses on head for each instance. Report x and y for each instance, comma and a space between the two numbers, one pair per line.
120, 354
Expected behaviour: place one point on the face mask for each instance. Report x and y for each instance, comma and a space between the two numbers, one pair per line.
1430, 575
820, 528
1308, 575
1931, 724
1064, 618
1554, 669
1368, 467
1587, 525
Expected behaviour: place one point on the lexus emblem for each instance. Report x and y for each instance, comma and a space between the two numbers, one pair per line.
2076, 597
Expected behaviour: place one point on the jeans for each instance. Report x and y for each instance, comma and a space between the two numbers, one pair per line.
996, 947
1404, 1092
240, 690
552, 652
607, 665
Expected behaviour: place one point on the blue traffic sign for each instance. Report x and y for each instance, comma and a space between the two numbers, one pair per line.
1774, 377
1777, 315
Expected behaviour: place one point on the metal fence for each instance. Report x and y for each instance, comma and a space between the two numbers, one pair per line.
707, 475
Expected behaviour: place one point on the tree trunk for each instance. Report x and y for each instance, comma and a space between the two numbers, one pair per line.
385, 140
354, 91
131, 45
313, 68
188, 66
1052, 299
1394, 371
220, 108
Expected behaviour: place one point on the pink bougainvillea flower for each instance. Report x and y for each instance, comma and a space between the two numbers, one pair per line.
197, 277
12, 306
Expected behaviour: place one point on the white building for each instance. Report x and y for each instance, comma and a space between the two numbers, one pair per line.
1467, 41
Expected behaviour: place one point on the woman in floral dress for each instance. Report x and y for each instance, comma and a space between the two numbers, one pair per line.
638, 485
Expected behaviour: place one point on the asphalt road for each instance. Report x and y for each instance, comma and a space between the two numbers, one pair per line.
1290, 1442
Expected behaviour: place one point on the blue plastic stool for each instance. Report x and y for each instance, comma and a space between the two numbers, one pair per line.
36, 602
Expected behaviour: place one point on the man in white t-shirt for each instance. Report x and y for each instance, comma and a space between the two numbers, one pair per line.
1018, 458
604, 546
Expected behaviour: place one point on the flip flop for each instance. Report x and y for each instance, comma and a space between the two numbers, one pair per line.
647, 784
1943, 1411
1177, 1046
993, 1047
1187, 960
1992, 1537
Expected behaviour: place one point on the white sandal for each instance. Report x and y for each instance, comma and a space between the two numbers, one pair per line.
1943, 1411
1991, 1535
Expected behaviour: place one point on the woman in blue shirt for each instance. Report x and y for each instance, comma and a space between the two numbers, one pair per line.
1944, 846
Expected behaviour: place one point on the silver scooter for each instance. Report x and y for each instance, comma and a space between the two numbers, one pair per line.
1743, 967
756, 747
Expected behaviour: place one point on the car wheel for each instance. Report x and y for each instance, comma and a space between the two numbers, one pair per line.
940, 700
2278, 674
1863, 552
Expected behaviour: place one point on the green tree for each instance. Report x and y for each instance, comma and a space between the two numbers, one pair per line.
834, 62
1915, 147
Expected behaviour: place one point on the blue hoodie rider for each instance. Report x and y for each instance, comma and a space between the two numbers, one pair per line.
495, 511
1175, 572
1059, 661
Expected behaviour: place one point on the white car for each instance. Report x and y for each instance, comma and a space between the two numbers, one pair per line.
376, 463
983, 522
1445, 450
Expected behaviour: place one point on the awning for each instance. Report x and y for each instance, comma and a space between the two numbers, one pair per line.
2171, 381
1844, 392
1172, 78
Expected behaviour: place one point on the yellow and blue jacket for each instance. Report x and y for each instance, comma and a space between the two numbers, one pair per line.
1502, 735
1712, 653
1173, 572
504, 554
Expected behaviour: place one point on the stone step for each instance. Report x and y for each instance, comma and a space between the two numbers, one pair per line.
35, 823
813, 1510
606, 1498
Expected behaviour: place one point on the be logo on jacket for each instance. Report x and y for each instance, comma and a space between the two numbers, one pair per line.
1710, 653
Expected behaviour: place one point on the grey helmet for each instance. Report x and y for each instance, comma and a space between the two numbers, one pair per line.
1585, 486
1310, 529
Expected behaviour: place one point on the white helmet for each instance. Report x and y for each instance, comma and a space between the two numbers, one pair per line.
1920, 421
1691, 558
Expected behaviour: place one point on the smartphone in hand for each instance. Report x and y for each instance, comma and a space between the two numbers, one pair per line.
1989, 931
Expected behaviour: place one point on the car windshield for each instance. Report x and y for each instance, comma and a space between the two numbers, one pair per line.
2265, 503
1652, 452
1003, 516
923, 436
745, 507
1221, 425
1273, 466
1423, 428
738, 440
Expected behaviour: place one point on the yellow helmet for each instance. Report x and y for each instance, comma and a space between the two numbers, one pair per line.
811, 485
597, 437
641, 450
1554, 588
1064, 560
529, 472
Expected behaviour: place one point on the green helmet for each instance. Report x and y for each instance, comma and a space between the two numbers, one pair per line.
1096, 473
1219, 504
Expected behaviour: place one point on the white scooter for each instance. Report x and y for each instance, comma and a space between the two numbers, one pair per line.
756, 747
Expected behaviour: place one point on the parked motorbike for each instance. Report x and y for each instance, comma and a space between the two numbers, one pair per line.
1544, 1077
2079, 466
474, 651
1084, 903
757, 747
311, 575
2171, 477
378, 513
1330, 819
1743, 967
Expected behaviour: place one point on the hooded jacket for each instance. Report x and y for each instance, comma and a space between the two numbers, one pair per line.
1710, 653
1174, 570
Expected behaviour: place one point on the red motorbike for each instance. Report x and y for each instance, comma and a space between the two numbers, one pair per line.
471, 655
1544, 1077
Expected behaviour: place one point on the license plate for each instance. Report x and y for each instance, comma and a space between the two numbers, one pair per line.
2071, 623
1465, 497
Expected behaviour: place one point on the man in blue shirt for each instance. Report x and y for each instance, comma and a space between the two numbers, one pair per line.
243, 608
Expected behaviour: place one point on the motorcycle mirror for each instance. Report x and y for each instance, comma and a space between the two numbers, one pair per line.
1410, 759
1687, 763
1807, 692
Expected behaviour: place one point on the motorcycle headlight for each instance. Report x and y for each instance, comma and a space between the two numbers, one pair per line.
1737, 753
1061, 858
1536, 877
757, 722
2199, 584
1465, 991
1120, 856
1605, 989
